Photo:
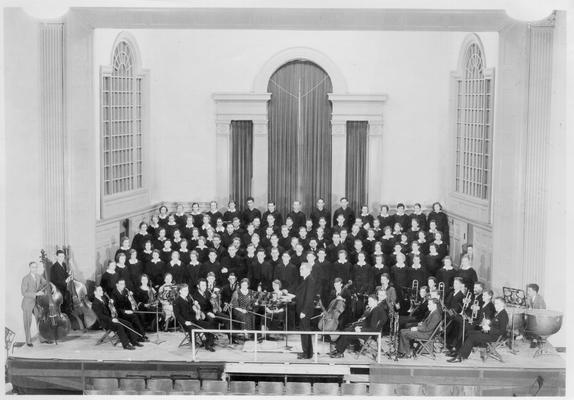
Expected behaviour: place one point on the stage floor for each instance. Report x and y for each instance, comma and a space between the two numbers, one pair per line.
82, 346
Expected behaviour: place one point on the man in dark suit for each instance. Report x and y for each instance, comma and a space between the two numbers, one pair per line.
373, 320
320, 211
60, 277
297, 216
304, 295
250, 212
491, 330
32, 284
122, 327
120, 296
186, 316
346, 211
422, 331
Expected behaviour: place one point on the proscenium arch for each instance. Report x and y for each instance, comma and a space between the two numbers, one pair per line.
304, 54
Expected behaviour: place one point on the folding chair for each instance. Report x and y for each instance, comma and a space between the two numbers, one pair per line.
426, 347
186, 341
491, 349
109, 336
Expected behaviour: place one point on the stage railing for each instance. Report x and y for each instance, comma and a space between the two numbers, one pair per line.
315, 334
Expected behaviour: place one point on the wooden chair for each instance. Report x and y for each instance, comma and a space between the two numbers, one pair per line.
382, 389
241, 387
426, 347
270, 388
186, 341
187, 385
491, 349
108, 384
214, 387
160, 384
354, 389
109, 336
298, 389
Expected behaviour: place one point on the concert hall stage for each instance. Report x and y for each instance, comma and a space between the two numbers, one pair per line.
71, 365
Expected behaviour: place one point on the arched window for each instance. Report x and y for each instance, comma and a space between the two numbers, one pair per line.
474, 112
121, 122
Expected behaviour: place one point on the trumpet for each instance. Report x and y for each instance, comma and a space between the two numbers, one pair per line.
475, 307
466, 302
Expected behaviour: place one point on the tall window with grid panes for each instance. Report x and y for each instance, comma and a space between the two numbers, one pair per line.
474, 116
121, 123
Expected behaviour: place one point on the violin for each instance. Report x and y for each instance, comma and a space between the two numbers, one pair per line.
199, 315
53, 324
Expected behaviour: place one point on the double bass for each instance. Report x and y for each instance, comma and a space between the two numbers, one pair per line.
53, 324
82, 312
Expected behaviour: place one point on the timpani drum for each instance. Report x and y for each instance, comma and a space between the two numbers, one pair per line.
542, 323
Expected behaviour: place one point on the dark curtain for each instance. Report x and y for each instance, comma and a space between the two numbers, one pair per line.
356, 164
241, 160
299, 135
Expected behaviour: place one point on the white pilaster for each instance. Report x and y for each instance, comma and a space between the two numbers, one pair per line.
222, 166
374, 163
260, 161
241, 107
338, 157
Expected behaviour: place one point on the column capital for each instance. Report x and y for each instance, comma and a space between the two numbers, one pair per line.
223, 128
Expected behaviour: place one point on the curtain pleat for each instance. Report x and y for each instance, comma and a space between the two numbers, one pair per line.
356, 164
241, 160
299, 135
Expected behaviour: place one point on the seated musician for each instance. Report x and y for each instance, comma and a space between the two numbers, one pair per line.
145, 297
534, 301
122, 327
121, 297
482, 308
490, 331
423, 330
166, 295
373, 320
227, 291
242, 302
203, 298
419, 310
188, 314
275, 307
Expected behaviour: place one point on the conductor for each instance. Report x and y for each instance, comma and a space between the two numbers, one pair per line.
304, 296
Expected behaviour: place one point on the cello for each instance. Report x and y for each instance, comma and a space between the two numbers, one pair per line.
82, 312
53, 324
330, 317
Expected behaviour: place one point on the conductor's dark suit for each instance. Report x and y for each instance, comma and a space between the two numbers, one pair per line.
304, 295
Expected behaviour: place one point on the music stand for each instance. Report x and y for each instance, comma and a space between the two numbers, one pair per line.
156, 312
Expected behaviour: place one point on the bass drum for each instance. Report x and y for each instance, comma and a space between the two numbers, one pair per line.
542, 323
516, 317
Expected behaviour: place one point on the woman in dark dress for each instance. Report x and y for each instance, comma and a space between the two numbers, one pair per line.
109, 278
146, 255
140, 238
184, 253
433, 261
441, 246
467, 273
385, 218
163, 216
441, 219
135, 268
145, 296
423, 243
154, 269
153, 227
122, 271
242, 302
388, 241
230, 213
446, 274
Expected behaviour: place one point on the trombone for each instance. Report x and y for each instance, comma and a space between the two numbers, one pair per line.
475, 307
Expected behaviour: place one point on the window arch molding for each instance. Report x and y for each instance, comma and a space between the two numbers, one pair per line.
472, 131
124, 92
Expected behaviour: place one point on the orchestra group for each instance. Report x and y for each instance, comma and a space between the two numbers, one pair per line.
245, 270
